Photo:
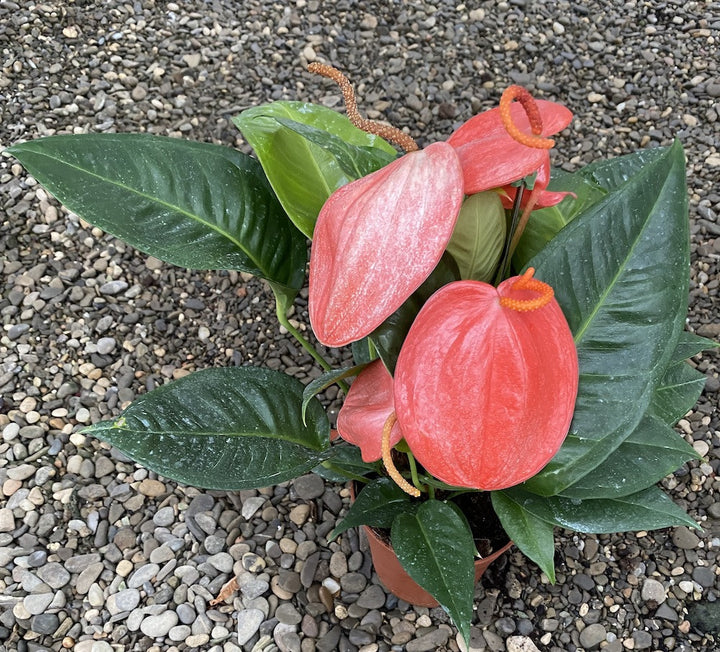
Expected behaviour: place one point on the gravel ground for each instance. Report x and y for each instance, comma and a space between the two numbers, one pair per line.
97, 554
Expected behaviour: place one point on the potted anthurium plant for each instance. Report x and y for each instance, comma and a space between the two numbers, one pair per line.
518, 334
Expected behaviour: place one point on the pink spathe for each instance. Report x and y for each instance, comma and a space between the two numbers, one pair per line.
484, 394
491, 157
367, 407
378, 238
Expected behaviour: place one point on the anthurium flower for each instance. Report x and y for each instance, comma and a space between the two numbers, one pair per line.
378, 238
486, 381
367, 407
542, 198
505, 144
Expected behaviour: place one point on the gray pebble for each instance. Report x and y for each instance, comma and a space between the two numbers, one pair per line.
222, 561
654, 591
592, 636
428, 642
36, 603
353, 582
44, 623
125, 600
113, 287
371, 598
164, 517
287, 614
309, 486
642, 640
248, 622
54, 575
704, 576
143, 574
157, 626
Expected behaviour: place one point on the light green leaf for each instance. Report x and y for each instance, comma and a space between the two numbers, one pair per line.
191, 204
227, 428
355, 161
477, 241
302, 173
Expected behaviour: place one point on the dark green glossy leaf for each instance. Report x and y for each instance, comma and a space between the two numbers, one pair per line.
651, 452
435, 547
532, 535
302, 173
690, 345
363, 351
390, 335
345, 462
544, 224
649, 509
354, 160
314, 387
227, 428
677, 393
619, 271
377, 505
191, 204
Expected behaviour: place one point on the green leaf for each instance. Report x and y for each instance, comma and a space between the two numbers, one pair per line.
477, 241
345, 462
226, 428
363, 351
649, 509
619, 271
354, 160
314, 387
545, 223
677, 393
377, 505
191, 204
302, 173
435, 547
532, 535
651, 452
690, 345
390, 335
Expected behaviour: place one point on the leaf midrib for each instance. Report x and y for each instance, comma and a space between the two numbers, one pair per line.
621, 269
160, 202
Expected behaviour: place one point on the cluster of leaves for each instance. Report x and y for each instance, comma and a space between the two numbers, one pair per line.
617, 256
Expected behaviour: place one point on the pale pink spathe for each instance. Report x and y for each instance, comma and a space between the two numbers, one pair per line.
484, 394
378, 238
367, 407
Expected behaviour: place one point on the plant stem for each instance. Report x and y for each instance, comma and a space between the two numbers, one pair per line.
285, 322
413, 470
281, 312
505, 261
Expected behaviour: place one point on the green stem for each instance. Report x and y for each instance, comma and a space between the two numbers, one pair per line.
505, 261
413, 470
285, 322
281, 312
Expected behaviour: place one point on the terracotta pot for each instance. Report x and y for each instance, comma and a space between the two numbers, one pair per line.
394, 576
397, 581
